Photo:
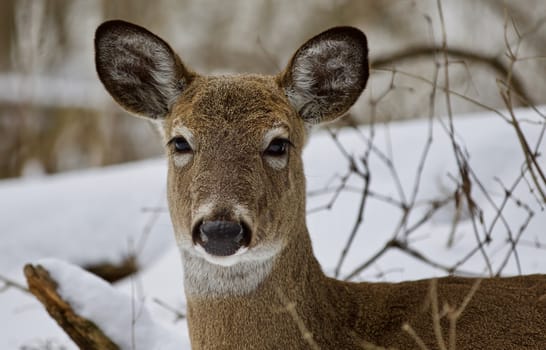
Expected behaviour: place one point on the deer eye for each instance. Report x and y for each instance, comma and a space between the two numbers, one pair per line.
181, 145
277, 148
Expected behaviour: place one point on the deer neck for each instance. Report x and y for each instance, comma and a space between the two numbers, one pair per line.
292, 279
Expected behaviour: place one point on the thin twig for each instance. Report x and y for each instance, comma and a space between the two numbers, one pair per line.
8, 283
290, 307
433, 295
357, 222
177, 313
420, 343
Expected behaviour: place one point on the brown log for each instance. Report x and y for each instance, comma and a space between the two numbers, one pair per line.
114, 272
82, 331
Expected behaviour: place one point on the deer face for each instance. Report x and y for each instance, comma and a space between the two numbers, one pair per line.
236, 187
234, 148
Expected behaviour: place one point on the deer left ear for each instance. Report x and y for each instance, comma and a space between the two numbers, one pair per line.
327, 74
139, 69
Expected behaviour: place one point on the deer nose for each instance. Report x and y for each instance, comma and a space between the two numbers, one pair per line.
221, 238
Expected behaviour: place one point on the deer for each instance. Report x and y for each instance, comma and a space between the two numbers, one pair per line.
236, 197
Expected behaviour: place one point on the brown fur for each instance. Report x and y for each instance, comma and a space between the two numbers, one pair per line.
505, 313
228, 117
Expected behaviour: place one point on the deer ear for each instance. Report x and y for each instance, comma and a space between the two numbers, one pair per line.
327, 74
139, 69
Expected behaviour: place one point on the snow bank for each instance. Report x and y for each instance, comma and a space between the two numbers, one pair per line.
85, 217
121, 317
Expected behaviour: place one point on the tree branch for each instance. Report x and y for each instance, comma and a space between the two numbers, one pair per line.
418, 52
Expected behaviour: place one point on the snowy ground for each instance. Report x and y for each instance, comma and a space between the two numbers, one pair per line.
102, 215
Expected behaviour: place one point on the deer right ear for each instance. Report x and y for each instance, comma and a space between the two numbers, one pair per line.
327, 74
139, 69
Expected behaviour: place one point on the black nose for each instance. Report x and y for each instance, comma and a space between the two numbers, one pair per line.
221, 238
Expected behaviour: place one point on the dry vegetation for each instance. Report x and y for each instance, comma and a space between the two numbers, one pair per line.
54, 116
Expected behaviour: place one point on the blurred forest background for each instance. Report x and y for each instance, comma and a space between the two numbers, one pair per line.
55, 115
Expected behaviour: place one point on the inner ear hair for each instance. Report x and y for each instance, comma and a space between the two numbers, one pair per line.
139, 69
327, 74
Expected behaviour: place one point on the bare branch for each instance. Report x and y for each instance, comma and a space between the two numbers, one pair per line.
420, 52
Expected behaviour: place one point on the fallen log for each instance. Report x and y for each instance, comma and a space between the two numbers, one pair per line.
82, 331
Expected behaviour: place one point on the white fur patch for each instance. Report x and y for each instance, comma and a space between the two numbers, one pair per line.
204, 210
270, 135
205, 278
242, 213
181, 160
277, 163
181, 130
221, 260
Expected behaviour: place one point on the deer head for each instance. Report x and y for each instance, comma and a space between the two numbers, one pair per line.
236, 187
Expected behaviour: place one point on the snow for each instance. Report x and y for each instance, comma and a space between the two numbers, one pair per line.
99, 215
494, 153
85, 217
120, 316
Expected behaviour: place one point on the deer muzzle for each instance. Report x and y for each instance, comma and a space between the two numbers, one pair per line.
221, 237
